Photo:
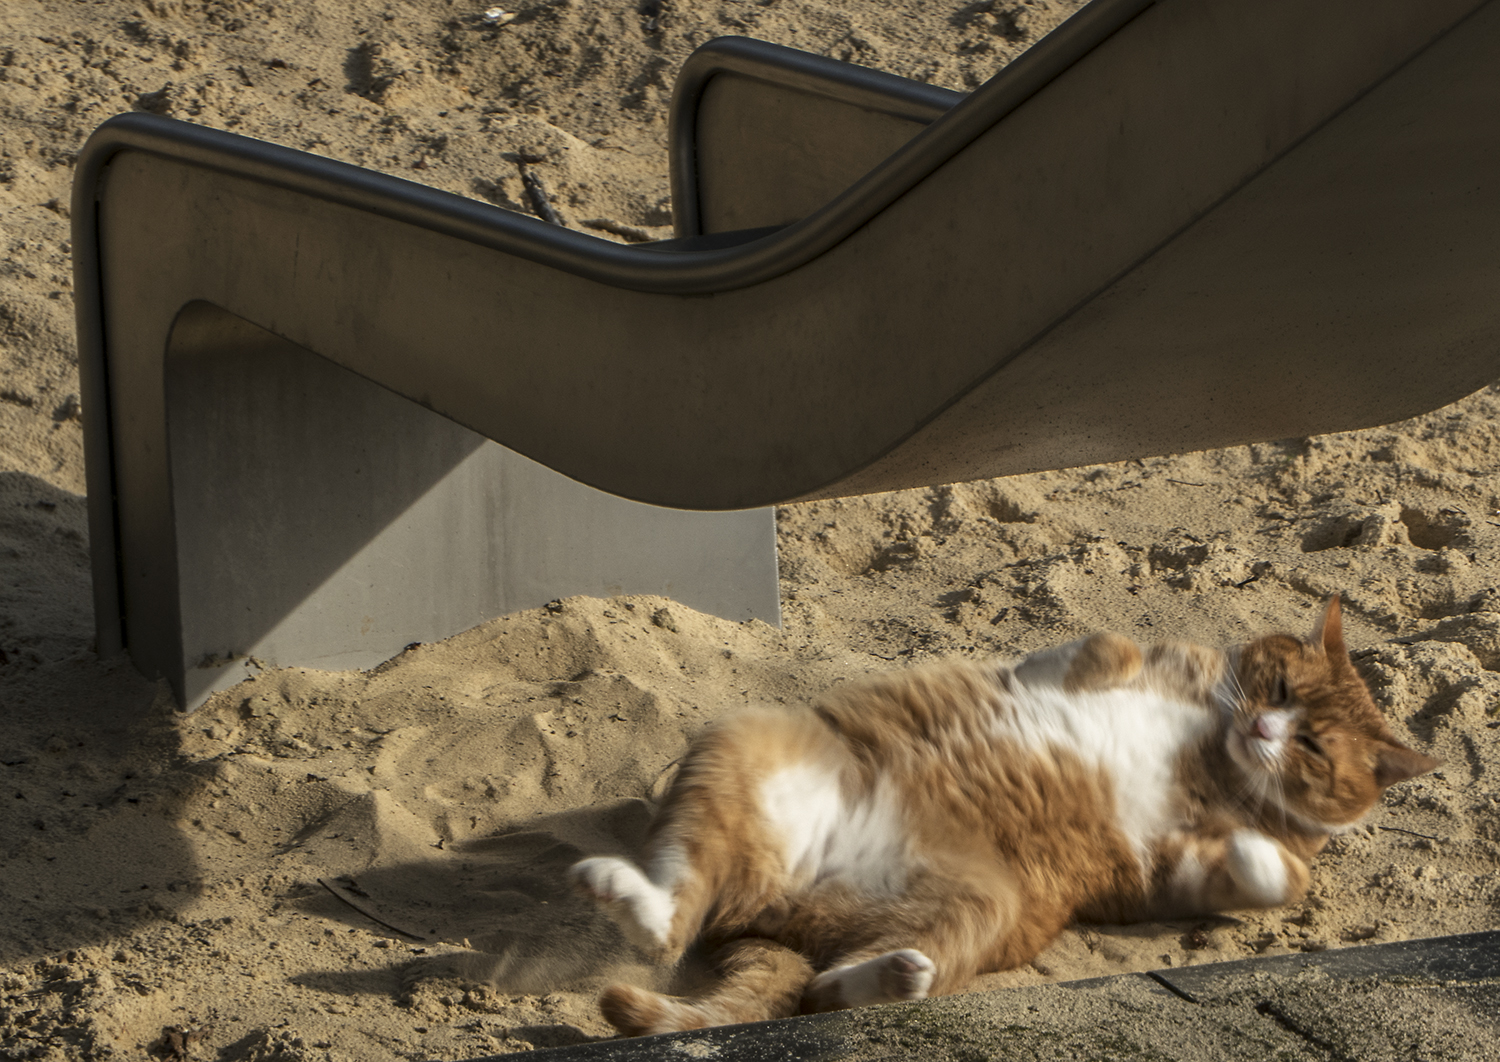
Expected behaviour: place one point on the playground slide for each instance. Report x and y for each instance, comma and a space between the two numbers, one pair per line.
329, 412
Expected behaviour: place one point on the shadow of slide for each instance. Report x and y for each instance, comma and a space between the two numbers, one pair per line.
91, 836
94, 783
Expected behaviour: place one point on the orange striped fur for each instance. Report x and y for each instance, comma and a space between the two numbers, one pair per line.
911, 832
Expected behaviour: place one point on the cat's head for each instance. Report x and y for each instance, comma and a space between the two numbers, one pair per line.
1306, 732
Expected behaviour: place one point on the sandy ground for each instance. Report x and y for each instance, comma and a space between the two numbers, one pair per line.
162, 871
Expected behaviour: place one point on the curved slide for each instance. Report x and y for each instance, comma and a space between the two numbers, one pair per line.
330, 412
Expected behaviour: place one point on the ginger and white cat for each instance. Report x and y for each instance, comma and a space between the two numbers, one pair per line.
909, 833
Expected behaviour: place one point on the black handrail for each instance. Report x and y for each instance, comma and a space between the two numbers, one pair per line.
686, 272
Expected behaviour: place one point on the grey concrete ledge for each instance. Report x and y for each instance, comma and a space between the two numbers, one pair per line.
1434, 999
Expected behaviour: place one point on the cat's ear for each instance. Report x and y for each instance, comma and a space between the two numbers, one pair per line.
1329, 632
1396, 763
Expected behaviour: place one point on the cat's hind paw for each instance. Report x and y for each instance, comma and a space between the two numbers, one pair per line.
1254, 862
905, 974
643, 911
889, 978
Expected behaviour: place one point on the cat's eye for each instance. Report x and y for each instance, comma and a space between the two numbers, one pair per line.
1281, 693
1310, 743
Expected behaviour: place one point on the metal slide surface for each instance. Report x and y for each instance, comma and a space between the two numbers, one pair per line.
1168, 226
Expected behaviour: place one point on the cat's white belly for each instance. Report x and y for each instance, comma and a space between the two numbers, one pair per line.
825, 836
1132, 735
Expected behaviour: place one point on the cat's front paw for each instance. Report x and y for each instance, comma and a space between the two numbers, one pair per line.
1104, 661
1185, 669
641, 910
1259, 871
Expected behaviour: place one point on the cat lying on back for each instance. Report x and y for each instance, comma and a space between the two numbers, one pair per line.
912, 832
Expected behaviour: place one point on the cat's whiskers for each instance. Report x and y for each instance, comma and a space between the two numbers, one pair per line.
1261, 782
1279, 798
1249, 789
1252, 793
1232, 699
1262, 785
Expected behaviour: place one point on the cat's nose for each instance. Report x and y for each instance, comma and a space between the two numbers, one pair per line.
1271, 726
1265, 728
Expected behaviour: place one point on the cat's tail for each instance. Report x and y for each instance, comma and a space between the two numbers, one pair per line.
758, 979
638, 1012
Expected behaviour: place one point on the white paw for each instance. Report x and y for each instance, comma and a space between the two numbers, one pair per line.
642, 911
906, 974
1254, 862
896, 975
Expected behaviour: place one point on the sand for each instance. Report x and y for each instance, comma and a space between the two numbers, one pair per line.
161, 872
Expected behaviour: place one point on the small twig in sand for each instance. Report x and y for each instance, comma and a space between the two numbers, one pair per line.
1185, 483
1413, 833
343, 895
536, 191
